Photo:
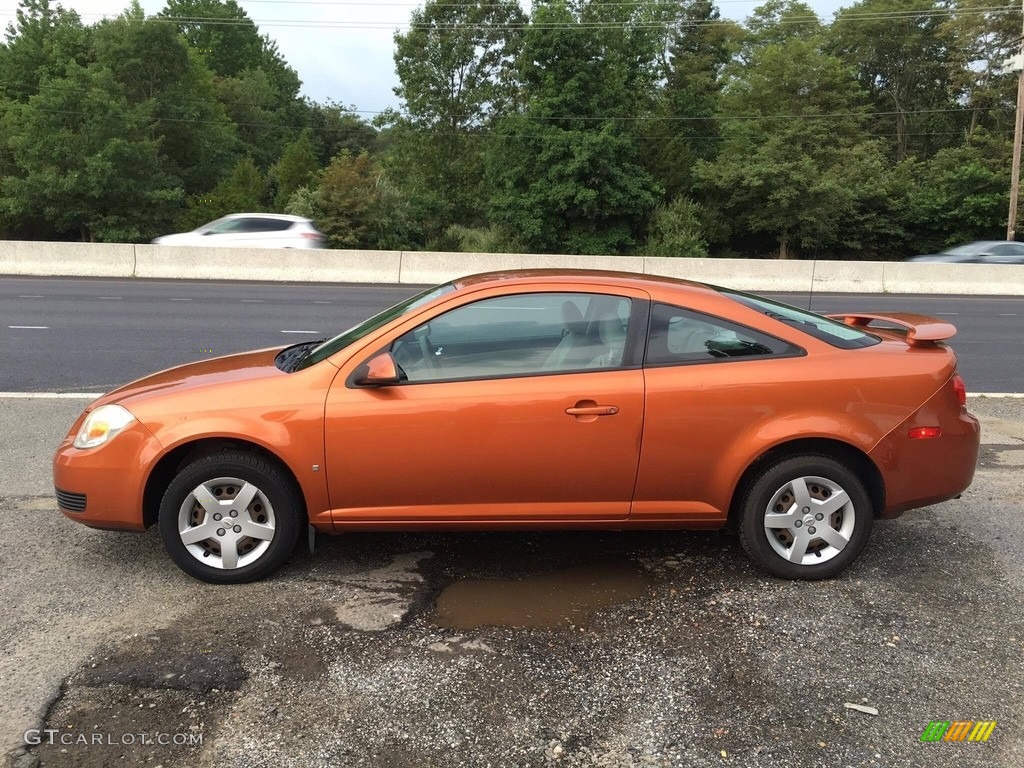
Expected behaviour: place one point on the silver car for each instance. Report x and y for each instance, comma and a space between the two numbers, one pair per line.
981, 252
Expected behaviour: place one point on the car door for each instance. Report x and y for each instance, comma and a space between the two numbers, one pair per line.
271, 232
512, 407
708, 380
229, 233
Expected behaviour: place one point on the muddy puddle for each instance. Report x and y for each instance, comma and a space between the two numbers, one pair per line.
568, 596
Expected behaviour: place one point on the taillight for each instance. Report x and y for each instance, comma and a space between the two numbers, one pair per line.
961, 390
310, 235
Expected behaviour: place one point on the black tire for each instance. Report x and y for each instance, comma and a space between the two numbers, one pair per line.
779, 482
275, 486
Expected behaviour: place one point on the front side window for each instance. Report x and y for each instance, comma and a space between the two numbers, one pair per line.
521, 335
353, 334
223, 226
822, 328
679, 336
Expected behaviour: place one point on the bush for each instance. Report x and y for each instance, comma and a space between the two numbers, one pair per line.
676, 230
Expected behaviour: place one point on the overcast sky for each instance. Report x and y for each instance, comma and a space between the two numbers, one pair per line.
343, 50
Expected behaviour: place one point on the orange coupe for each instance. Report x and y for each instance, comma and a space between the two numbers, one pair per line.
538, 399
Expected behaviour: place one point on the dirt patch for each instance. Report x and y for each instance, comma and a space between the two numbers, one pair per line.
195, 672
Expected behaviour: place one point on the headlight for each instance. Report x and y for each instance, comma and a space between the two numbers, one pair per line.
101, 425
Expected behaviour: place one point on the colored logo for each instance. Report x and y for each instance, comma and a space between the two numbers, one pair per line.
958, 730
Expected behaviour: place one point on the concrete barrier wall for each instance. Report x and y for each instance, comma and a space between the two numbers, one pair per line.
292, 265
974, 279
426, 268
741, 274
71, 259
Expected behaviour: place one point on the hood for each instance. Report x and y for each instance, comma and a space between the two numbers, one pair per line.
230, 369
180, 238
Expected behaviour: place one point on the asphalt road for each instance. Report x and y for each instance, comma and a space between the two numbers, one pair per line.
62, 334
599, 649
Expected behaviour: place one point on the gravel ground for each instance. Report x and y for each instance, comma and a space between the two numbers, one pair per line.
690, 657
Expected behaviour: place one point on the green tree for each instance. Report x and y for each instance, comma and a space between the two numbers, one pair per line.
961, 194
253, 82
295, 169
683, 126
782, 169
244, 190
676, 230
155, 67
335, 129
899, 50
981, 35
776, 22
266, 123
40, 44
455, 67
84, 162
565, 172
355, 205
223, 33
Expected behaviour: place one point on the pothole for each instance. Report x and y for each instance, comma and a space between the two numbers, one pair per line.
568, 596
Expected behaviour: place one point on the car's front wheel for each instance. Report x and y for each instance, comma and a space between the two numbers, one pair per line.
231, 517
805, 517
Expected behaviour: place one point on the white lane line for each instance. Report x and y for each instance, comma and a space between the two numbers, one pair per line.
30, 327
29, 296
322, 302
252, 301
181, 299
111, 298
311, 332
1007, 314
49, 395
947, 314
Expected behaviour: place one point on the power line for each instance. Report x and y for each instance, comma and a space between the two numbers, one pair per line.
516, 26
608, 118
479, 134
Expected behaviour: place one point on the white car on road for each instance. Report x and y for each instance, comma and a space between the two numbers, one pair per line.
251, 230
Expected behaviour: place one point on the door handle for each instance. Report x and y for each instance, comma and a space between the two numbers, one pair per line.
593, 410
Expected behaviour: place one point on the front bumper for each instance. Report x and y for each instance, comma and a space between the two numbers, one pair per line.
110, 477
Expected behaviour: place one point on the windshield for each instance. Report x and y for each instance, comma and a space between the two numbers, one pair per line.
830, 331
357, 332
964, 250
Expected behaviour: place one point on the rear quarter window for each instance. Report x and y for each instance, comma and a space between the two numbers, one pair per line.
822, 328
678, 336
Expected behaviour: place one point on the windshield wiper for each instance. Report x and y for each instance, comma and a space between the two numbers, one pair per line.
288, 359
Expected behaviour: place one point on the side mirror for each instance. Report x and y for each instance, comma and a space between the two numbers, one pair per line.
379, 371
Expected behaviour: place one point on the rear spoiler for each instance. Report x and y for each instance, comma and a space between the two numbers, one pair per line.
921, 329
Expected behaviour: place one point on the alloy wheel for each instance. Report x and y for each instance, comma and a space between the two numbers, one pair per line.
226, 523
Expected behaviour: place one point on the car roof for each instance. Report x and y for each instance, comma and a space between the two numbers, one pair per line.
978, 244
285, 216
584, 277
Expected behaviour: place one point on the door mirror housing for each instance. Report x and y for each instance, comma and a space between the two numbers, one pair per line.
379, 371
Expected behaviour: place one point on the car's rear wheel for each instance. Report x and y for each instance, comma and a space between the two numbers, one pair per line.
231, 517
805, 517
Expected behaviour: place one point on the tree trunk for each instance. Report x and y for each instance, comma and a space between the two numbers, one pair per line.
784, 246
